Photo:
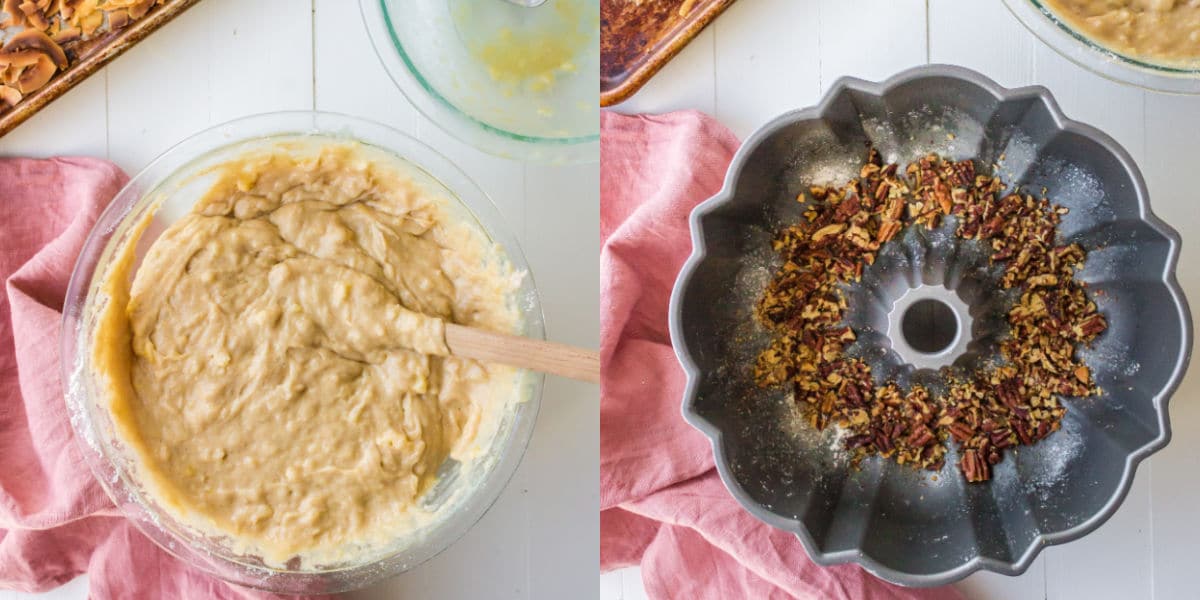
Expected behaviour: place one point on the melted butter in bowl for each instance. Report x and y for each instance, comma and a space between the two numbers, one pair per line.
533, 54
1163, 32
270, 366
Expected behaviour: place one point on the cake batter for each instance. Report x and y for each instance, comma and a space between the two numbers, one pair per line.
1161, 31
278, 365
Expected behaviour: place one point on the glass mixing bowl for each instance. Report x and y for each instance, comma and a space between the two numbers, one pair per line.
462, 494
1091, 55
513, 81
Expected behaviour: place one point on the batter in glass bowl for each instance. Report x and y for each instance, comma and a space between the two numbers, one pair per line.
1161, 31
278, 365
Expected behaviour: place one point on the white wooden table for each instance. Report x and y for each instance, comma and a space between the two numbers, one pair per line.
230, 58
763, 57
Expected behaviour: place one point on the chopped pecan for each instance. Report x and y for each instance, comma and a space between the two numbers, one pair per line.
827, 231
1004, 405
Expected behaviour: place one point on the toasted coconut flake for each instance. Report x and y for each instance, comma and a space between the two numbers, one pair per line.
67, 36
19, 59
9, 96
32, 39
29, 60
34, 16
91, 22
16, 18
36, 76
68, 7
139, 9
118, 19
74, 11
8, 75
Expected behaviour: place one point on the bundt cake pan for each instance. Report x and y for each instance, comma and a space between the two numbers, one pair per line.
916, 527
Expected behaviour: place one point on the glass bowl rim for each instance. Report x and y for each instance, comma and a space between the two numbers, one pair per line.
1082, 50
429, 101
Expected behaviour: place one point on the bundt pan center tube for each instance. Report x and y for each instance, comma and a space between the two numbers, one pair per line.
905, 525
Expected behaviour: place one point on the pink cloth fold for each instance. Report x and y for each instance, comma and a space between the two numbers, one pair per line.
663, 506
55, 520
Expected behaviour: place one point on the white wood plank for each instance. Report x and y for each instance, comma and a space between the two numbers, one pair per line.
563, 245
1171, 123
1115, 108
631, 585
350, 79
554, 496
989, 586
503, 180
76, 588
496, 551
562, 241
1116, 561
553, 211
688, 81
870, 39
983, 36
250, 75
952, 40
610, 586
200, 68
349, 74
772, 56
211, 64
765, 62
72, 125
488, 562
1092, 567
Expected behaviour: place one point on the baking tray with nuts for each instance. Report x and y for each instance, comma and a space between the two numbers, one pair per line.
49, 46
638, 37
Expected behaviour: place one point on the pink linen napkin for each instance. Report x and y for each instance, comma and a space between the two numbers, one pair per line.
55, 520
662, 504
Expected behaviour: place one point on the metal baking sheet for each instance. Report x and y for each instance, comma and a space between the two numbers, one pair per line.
87, 56
638, 37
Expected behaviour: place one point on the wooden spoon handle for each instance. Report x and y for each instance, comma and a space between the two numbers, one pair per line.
517, 351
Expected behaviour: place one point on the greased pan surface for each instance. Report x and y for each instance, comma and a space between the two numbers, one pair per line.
906, 526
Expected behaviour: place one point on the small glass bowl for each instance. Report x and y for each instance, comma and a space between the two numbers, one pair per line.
423, 45
1093, 56
463, 498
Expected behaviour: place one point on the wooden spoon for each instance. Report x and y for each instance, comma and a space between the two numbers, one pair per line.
517, 351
